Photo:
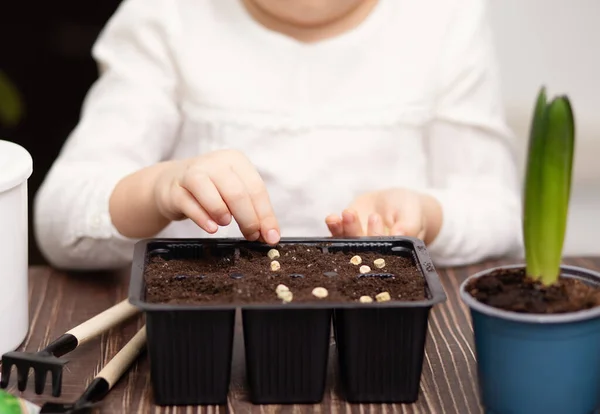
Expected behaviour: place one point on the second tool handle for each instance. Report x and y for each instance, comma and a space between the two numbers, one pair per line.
124, 358
104, 321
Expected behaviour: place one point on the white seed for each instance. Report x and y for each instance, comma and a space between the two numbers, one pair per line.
275, 266
281, 288
273, 254
383, 297
356, 260
320, 292
365, 269
366, 299
286, 296
379, 263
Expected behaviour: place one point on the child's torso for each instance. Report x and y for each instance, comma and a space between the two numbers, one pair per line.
322, 123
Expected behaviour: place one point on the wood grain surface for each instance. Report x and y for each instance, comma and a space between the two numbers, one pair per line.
60, 301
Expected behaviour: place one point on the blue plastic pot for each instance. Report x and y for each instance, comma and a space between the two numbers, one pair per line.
537, 364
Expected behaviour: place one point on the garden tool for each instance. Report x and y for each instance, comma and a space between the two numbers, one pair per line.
48, 359
104, 381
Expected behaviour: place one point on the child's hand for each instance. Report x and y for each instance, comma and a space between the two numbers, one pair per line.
395, 212
212, 188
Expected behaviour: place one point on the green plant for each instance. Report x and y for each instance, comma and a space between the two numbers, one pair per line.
11, 104
548, 186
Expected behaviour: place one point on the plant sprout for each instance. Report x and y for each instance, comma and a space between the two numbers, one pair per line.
548, 186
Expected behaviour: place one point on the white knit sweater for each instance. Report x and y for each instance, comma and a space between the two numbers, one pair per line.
410, 98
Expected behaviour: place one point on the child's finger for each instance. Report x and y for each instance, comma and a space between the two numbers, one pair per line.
236, 196
204, 190
351, 224
396, 229
391, 223
375, 225
269, 226
334, 223
407, 220
190, 207
391, 218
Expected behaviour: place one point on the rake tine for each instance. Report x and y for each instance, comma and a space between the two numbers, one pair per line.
40, 380
22, 374
6, 367
56, 382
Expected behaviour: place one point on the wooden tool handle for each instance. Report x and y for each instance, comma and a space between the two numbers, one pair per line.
103, 321
124, 358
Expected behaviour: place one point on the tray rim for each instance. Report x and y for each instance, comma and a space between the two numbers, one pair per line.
422, 259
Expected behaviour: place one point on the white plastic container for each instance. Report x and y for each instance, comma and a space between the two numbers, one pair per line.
16, 166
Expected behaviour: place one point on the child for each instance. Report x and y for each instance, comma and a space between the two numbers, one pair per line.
303, 118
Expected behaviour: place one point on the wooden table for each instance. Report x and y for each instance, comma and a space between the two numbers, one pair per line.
59, 301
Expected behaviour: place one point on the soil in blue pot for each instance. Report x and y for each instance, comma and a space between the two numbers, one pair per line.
510, 290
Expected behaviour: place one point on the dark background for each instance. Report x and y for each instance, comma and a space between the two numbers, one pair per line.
45, 48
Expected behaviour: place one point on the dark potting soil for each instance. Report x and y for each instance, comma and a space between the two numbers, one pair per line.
248, 278
510, 290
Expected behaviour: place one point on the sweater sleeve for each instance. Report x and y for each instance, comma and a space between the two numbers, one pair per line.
473, 171
129, 120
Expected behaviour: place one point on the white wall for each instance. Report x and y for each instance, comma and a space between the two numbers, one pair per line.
557, 43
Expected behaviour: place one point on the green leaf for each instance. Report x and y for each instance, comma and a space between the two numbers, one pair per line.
548, 186
555, 187
531, 213
11, 104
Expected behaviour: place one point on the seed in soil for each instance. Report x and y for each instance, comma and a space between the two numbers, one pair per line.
330, 274
366, 299
286, 296
275, 266
282, 288
379, 263
236, 276
383, 297
296, 276
273, 254
320, 292
356, 260
180, 277
364, 269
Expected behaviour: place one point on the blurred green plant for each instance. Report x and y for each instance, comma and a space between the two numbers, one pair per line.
548, 186
11, 102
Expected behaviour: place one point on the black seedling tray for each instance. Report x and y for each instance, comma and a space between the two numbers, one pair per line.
380, 346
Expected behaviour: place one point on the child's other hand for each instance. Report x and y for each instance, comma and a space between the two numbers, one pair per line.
213, 188
394, 212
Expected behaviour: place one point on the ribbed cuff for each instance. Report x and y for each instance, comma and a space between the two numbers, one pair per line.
97, 217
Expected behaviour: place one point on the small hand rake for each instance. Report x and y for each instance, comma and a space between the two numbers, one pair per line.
48, 358
104, 381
